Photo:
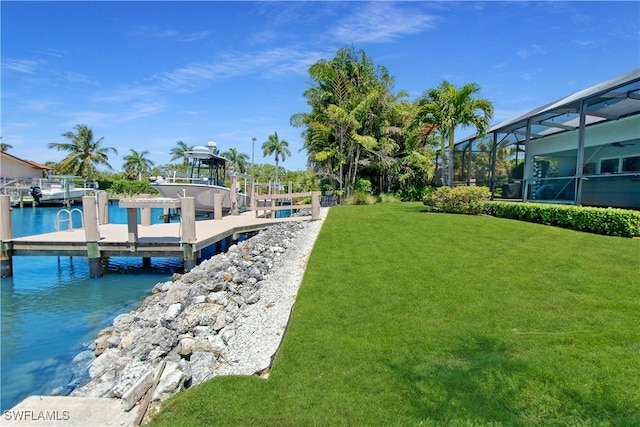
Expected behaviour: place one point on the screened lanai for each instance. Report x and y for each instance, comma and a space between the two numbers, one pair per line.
583, 149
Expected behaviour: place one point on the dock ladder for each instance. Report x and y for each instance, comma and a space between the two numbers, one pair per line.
69, 219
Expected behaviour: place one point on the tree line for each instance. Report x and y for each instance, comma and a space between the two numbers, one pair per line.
359, 129
358, 133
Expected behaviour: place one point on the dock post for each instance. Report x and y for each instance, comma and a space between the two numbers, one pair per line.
188, 237
252, 195
103, 207
6, 236
234, 193
217, 206
92, 236
145, 213
315, 205
273, 205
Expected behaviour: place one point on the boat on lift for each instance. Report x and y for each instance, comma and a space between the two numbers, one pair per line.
206, 178
60, 190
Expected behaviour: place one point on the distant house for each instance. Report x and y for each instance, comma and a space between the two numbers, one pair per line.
12, 168
583, 149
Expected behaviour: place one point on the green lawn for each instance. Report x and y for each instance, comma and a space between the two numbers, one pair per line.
413, 318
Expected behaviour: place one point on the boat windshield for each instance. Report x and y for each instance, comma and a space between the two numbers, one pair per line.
210, 171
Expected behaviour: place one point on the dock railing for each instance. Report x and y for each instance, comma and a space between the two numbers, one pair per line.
269, 204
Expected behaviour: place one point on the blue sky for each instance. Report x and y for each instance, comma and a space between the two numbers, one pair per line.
144, 75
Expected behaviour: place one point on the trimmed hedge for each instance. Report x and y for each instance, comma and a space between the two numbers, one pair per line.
607, 221
459, 200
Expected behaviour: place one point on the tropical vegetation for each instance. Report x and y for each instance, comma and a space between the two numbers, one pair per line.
240, 161
277, 146
179, 152
357, 128
4, 146
84, 153
136, 164
514, 324
445, 108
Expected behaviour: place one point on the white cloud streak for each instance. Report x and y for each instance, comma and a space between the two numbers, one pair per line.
25, 66
531, 50
379, 22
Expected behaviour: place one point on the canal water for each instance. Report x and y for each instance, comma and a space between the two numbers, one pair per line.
51, 310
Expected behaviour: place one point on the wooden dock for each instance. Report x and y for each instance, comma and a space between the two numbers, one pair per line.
185, 239
157, 240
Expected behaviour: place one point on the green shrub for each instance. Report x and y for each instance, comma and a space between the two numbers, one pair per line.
459, 200
363, 186
414, 193
388, 198
607, 221
131, 187
359, 198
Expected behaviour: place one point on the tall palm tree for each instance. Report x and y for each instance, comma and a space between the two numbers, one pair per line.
278, 146
84, 152
238, 160
179, 152
137, 164
447, 107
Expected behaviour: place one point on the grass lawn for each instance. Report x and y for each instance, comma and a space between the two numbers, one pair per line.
413, 318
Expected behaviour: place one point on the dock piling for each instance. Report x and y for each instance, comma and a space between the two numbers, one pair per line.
217, 206
103, 207
92, 236
6, 236
145, 212
188, 231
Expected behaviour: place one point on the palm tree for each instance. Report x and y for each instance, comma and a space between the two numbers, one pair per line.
278, 146
4, 146
84, 152
447, 107
238, 160
179, 152
137, 164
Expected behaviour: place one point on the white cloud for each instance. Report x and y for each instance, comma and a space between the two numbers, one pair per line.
377, 22
531, 50
156, 33
277, 61
73, 77
26, 66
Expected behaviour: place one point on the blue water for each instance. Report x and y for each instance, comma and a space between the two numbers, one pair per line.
51, 310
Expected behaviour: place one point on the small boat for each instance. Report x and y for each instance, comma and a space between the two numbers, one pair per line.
60, 190
206, 178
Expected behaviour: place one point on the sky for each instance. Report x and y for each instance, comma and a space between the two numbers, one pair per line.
144, 75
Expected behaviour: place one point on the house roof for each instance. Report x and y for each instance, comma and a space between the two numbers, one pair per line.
31, 163
606, 101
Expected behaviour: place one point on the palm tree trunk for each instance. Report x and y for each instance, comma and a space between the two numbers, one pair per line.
450, 170
445, 160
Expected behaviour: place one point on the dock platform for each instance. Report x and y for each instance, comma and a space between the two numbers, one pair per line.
157, 240
98, 239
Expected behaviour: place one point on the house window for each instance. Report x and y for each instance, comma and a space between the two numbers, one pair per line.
631, 164
610, 165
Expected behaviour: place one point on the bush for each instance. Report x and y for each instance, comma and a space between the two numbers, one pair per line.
607, 221
363, 186
131, 187
360, 199
414, 193
388, 198
459, 200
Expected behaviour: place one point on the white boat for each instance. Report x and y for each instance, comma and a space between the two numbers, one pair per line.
60, 190
206, 178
